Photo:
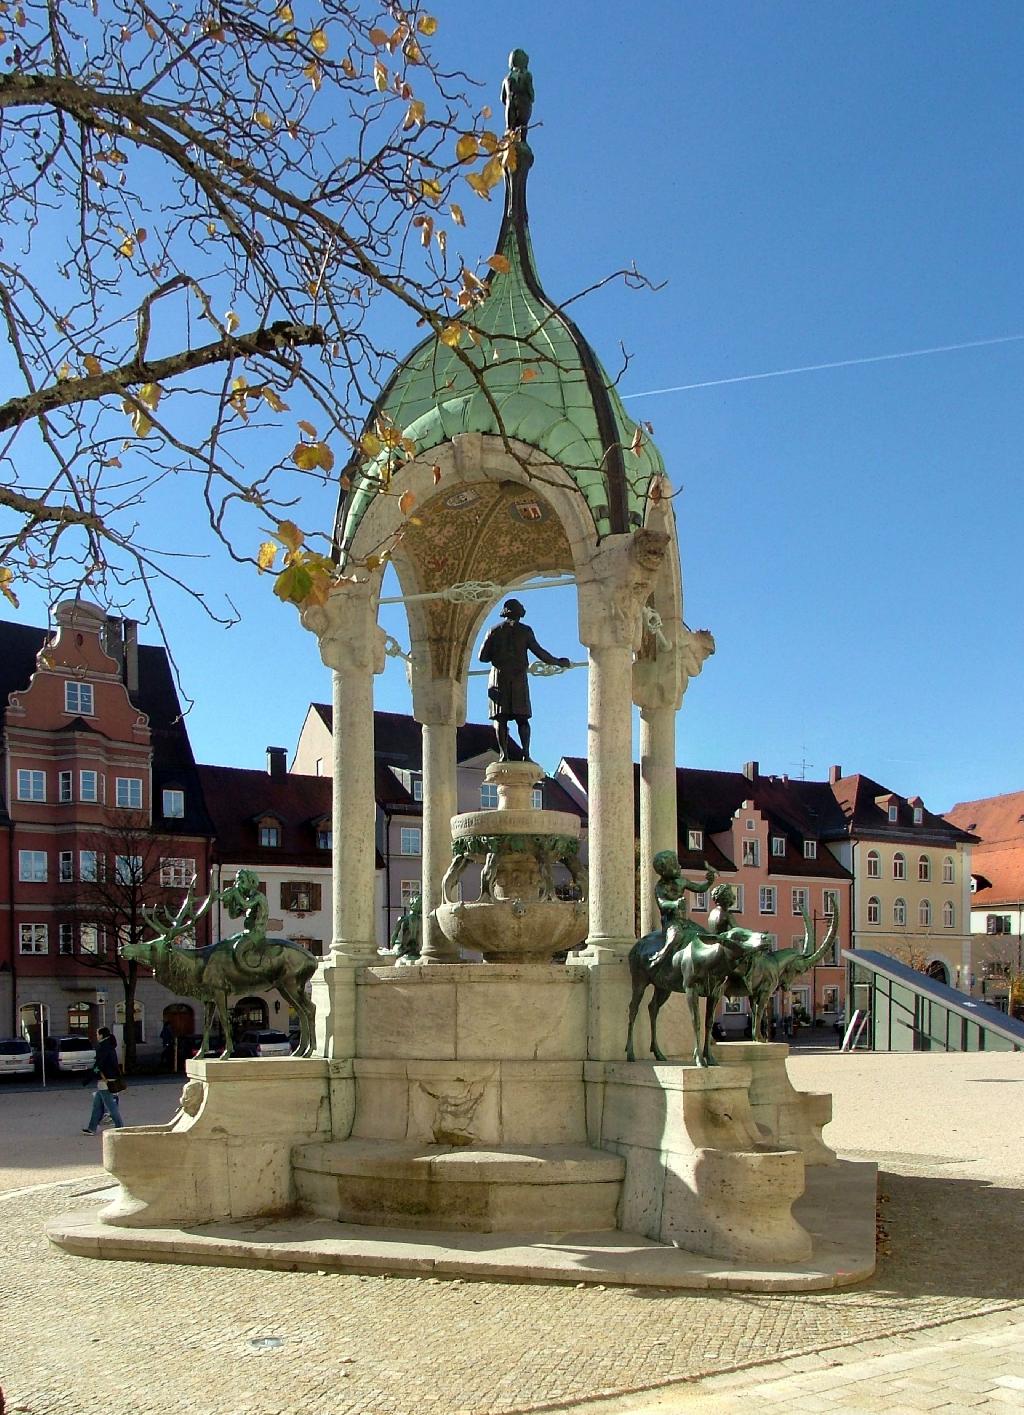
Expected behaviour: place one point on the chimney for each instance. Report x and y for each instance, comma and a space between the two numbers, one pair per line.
834, 774
131, 655
112, 642
277, 761
750, 770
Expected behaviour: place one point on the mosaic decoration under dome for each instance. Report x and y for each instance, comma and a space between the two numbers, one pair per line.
481, 531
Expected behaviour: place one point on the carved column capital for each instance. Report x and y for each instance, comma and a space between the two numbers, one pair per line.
436, 701
614, 585
347, 631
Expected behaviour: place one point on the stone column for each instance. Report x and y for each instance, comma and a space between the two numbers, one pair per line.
439, 705
352, 645
658, 810
610, 797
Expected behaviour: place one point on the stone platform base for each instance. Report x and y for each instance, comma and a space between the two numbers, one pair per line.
482, 1189
837, 1210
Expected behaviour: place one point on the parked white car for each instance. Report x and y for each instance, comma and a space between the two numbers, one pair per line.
16, 1057
70, 1054
261, 1042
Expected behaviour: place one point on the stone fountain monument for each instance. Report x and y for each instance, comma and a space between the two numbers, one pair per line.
479, 1116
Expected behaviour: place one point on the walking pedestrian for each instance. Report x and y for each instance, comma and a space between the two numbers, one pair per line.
106, 1071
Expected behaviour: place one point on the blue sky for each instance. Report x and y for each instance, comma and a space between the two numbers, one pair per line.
814, 183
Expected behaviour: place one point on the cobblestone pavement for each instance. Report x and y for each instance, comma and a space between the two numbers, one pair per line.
80, 1336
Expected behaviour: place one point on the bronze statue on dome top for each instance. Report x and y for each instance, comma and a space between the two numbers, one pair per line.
517, 93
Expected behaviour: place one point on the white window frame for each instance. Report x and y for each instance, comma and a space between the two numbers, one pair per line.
767, 899
488, 796
416, 789
899, 865
176, 871
700, 902
924, 863
93, 777
949, 915
778, 847
750, 825
33, 867
801, 900
34, 939
830, 901
874, 913
170, 797
76, 696
537, 798
695, 840
66, 867
924, 913
31, 784
810, 849
410, 840
874, 865
737, 889
325, 838
918, 815
948, 870
128, 783
264, 833
899, 913
751, 854
407, 890
65, 787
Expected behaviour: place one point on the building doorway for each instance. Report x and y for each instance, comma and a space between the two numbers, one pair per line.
938, 970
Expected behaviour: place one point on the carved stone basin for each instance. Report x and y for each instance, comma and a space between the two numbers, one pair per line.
518, 917
511, 931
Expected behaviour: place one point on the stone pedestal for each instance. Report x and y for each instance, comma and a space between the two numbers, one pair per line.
698, 1174
227, 1153
784, 1116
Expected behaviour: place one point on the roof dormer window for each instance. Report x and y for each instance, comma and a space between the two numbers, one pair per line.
918, 815
810, 849
894, 813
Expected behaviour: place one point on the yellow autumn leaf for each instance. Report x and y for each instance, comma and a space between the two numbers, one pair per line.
499, 263
451, 334
318, 42
306, 427
491, 172
289, 535
264, 120
314, 73
457, 215
306, 456
489, 141
348, 68
442, 241
478, 184
92, 365
406, 502
6, 576
380, 75
638, 442
284, 14
413, 53
372, 562
378, 37
211, 228
127, 247
325, 457
426, 24
431, 189
370, 444
415, 113
467, 147
150, 394
231, 321
275, 403
266, 555
426, 231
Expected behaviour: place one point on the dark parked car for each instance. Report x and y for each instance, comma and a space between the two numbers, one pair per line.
261, 1042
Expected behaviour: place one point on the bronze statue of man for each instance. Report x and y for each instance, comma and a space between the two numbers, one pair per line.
506, 649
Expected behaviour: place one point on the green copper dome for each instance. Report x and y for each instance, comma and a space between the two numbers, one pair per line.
546, 383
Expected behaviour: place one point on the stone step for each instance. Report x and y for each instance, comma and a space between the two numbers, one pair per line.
493, 1189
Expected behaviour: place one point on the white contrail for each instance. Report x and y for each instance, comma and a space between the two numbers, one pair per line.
839, 363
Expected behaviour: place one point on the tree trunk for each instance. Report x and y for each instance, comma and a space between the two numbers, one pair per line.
130, 978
